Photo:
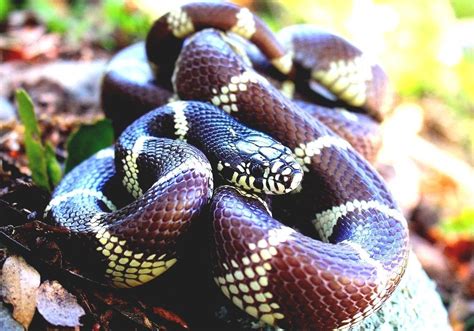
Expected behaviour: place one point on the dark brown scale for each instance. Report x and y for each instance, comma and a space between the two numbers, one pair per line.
166, 213
276, 116
336, 176
315, 284
363, 133
152, 224
157, 221
315, 49
129, 89
214, 132
162, 47
360, 130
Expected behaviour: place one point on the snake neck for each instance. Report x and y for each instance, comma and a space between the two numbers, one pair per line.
244, 157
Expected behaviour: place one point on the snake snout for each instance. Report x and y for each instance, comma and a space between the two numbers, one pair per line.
266, 166
285, 175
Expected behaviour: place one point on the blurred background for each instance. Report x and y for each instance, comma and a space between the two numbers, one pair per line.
426, 46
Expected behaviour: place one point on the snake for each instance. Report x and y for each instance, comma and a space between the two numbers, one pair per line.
205, 133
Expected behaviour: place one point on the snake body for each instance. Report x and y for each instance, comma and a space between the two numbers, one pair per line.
348, 199
133, 241
272, 272
348, 75
129, 85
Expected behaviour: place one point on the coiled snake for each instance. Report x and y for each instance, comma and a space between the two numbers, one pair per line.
135, 207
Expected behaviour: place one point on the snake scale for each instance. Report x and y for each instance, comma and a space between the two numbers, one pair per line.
239, 103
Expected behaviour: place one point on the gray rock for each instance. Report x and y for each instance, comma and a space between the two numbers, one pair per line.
7, 110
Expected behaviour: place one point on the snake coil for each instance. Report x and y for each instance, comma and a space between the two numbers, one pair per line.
136, 201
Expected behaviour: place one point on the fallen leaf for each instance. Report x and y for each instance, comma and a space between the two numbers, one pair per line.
170, 316
20, 283
58, 306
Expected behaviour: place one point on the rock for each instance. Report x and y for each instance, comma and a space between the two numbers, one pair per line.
70, 86
7, 111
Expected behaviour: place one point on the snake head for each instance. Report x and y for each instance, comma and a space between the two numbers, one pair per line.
264, 166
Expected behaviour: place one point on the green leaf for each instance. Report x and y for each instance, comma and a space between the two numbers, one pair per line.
35, 151
463, 224
55, 172
463, 8
5, 7
87, 140
26, 112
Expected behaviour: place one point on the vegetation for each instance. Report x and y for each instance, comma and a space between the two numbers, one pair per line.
82, 143
45, 169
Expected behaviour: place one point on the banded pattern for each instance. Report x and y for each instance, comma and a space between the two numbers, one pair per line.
170, 181
282, 277
254, 161
304, 152
245, 25
270, 271
326, 221
130, 168
125, 267
226, 96
340, 175
81, 192
284, 63
347, 79
341, 68
180, 122
167, 33
179, 23
105, 231
245, 282
360, 130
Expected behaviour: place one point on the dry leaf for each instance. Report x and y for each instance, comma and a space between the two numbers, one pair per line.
20, 283
58, 306
170, 316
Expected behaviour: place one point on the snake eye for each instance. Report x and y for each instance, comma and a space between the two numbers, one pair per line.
257, 170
